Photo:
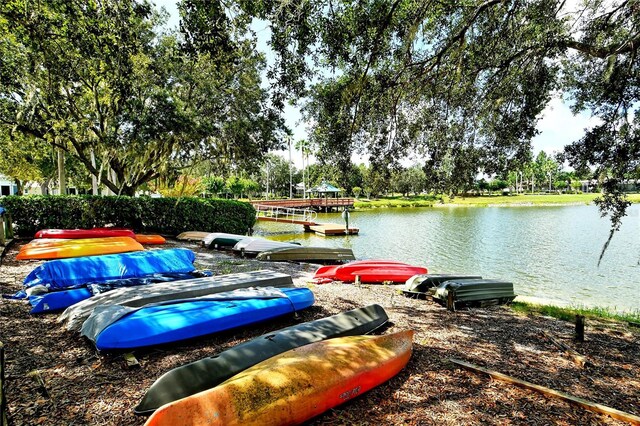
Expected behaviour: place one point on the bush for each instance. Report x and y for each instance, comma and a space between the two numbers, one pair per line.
169, 216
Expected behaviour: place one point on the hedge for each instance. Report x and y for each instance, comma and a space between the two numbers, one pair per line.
169, 216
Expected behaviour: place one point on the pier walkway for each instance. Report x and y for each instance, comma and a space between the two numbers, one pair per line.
317, 204
300, 216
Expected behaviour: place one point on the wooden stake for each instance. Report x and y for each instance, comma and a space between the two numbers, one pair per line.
588, 405
580, 328
578, 359
451, 304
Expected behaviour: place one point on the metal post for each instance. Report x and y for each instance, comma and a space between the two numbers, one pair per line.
345, 216
290, 170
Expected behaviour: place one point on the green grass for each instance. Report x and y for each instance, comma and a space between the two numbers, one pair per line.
569, 314
485, 200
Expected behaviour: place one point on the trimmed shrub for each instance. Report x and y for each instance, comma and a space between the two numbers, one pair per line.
169, 216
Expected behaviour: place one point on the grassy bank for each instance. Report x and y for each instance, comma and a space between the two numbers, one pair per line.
485, 200
569, 313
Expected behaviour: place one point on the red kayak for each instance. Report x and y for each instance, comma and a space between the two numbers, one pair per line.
330, 271
380, 273
85, 233
369, 271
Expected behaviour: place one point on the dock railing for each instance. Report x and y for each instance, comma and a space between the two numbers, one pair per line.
285, 214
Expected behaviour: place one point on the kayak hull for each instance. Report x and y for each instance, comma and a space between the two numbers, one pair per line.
289, 389
166, 323
85, 233
206, 373
67, 248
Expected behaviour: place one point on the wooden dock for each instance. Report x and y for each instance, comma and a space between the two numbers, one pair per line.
319, 204
329, 229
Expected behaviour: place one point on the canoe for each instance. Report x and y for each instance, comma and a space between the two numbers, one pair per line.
475, 292
206, 373
62, 274
289, 389
67, 248
222, 240
192, 236
140, 296
150, 239
330, 271
59, 300
381, 273
252, 246
189, 318
425, 282
85, 233
307, 254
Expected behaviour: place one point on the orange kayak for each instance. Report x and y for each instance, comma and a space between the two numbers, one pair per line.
295, 386
150, 239
60, 249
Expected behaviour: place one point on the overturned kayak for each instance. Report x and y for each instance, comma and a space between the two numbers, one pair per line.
150, 239
85, 233
206, 373
475, 292
371, 271
222, 240
117, 327
252, 246
197, 236
288, 389
75, 315
63, 274
59, 300
307, 254
330, 271
420, 284
66, 248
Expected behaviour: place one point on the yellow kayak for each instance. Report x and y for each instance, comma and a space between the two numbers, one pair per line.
61, 249
294, 386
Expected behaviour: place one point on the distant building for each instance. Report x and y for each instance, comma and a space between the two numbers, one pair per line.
7, 186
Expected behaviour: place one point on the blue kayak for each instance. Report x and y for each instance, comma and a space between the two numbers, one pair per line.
59, 300
64, 274
189, 318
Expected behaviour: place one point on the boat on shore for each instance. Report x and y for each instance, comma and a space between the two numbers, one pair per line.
55, 248
85, 233
207, 373
222, 240
75, 315
288, 389
425, 284
252, 246
307, 254
116, 327
370, 271
475, 292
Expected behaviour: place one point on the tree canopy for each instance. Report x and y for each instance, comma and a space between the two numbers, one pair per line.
461, 82
101, 79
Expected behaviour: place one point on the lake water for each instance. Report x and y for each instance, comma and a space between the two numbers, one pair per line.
549, 253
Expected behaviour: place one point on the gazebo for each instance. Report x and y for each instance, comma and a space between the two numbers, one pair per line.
324, 190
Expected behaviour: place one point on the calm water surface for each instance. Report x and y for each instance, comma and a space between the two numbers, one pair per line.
549, 253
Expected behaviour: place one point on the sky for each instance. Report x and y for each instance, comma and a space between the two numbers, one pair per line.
557, 126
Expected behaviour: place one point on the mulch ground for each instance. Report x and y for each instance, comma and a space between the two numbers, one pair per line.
55, 377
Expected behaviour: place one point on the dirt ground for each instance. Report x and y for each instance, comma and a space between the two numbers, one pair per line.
55, 377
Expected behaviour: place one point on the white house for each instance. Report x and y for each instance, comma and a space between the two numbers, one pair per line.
7, 186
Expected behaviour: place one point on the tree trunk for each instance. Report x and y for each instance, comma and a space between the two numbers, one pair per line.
19, 186
62, 176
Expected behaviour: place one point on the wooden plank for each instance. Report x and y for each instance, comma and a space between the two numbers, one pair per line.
588, 405
2, 236
578, 359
